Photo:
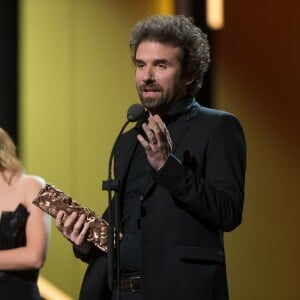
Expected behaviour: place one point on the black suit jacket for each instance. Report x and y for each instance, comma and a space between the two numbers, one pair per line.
188, 205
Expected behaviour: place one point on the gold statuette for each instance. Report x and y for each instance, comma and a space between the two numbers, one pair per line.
51, 200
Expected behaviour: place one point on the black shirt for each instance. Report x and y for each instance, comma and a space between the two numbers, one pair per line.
139, 174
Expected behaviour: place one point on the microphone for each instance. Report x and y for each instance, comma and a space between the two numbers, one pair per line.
134, 113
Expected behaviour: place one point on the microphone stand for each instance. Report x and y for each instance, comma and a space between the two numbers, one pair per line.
134, 113
113, 236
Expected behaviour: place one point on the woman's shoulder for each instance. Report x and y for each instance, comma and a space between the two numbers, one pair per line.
29, 180
30, 185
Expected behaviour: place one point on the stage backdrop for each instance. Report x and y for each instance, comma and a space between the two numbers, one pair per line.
257, 78
76, 83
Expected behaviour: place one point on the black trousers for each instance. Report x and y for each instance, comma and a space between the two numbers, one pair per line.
127, 296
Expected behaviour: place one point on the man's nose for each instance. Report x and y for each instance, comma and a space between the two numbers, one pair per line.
148, 75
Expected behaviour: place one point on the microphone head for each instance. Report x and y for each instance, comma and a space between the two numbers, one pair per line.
135, 112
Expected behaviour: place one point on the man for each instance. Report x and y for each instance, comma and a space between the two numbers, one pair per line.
182, 176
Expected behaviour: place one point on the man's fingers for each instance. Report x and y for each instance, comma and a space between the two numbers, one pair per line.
58, 219
158, 129
79, 224
144, 143
79, 237
69, 222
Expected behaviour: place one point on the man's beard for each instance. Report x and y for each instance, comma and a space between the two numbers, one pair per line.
162, 100
152, 103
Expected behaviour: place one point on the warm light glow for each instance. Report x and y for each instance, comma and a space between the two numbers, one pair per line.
50, 292
215, 13
166, 7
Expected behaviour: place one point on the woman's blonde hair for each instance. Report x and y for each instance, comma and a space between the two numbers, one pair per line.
10, 165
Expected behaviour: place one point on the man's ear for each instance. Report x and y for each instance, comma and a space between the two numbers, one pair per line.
189, 79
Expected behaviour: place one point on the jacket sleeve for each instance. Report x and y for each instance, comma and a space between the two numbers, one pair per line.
88, 257
216, 193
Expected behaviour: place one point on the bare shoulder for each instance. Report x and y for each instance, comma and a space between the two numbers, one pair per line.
31, 185
33, 181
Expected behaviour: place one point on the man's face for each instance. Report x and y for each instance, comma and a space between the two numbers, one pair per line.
158, 75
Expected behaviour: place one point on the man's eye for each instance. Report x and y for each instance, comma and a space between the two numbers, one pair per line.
162, 65
139, 65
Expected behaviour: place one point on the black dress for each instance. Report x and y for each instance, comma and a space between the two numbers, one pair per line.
16, 285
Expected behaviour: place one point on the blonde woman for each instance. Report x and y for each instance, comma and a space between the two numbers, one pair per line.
24, 228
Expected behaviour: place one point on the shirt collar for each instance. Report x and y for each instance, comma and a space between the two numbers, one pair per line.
180, 108
185, 107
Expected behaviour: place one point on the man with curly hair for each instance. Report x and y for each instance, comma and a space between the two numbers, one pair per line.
182, 172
